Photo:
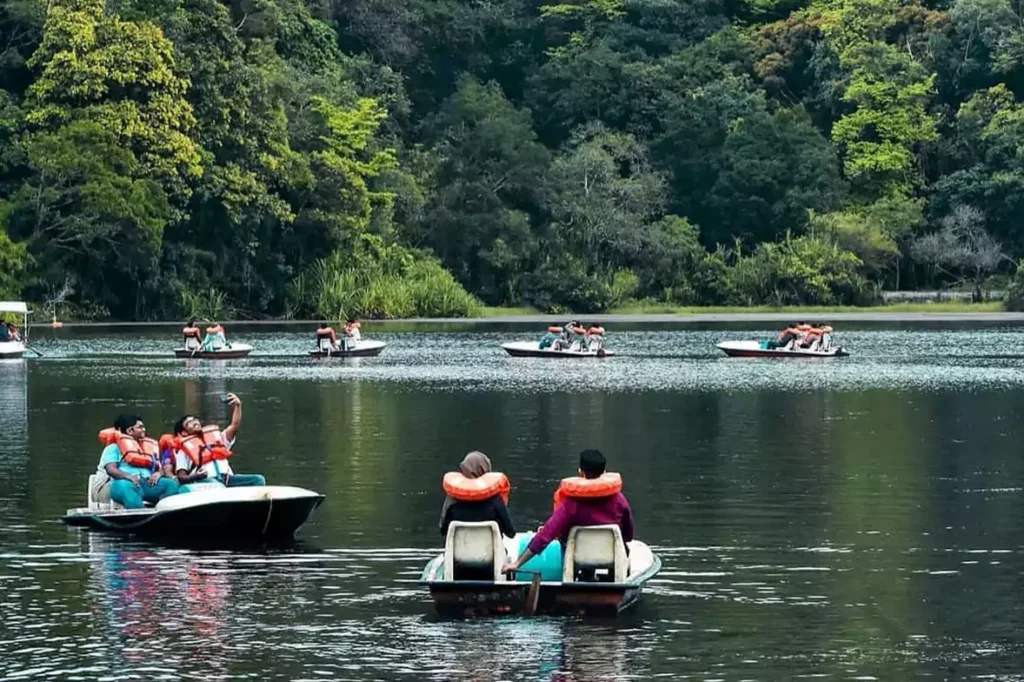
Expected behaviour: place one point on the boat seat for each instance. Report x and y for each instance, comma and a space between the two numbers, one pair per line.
191, 343
98, 494
474, 551
324, 344
595, 548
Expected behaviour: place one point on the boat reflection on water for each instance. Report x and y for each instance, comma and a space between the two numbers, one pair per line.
161, 604
556, 649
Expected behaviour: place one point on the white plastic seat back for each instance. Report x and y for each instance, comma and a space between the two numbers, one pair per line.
476, 546
191, 343
826, 341
595, 547
324, 342
98, 493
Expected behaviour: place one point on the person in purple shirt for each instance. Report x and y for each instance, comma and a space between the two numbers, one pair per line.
591, 511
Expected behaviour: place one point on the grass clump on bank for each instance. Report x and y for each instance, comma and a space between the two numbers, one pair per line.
385, 283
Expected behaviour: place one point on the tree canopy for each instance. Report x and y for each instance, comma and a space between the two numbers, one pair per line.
377, 157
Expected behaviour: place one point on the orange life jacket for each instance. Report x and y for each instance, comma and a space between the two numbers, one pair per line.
804, 328
328, 332
596, 331
579, 330
555, 330
814, 331
143, 453
205, 448
215, 330
189, 332
476, 489
606, 484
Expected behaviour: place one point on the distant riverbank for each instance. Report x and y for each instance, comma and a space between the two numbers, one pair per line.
904, 312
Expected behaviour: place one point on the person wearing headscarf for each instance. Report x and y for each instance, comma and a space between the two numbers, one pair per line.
473, 466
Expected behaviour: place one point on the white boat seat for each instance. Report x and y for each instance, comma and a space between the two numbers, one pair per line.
473, 551
595, 548
325, 345
98, 494
191, 343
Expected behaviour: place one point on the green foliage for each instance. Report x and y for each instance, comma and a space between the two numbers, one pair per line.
381, 282
566, 155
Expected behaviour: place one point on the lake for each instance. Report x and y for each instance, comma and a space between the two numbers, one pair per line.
845, 519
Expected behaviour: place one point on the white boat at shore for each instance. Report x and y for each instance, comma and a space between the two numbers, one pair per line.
15, 349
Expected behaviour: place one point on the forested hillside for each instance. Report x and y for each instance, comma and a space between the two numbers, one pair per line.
384, 157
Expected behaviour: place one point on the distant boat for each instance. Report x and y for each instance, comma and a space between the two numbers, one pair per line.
230, 352
532, 349
760, 349
348, 349
15, 349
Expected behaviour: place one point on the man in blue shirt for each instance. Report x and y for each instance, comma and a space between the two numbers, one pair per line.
132, 485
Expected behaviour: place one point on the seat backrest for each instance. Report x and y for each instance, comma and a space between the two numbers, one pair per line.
593, 547
98, 494
191, 343
473, 551
324, 343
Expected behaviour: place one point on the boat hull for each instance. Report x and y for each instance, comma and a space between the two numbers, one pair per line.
237, 350
363, 349
269, 513
532, 349
468, 598
11, 350
753, 349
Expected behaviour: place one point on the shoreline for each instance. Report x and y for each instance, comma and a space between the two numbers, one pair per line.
865, 315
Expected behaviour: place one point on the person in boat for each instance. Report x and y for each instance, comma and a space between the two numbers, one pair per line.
549, 338
191, 333
215, 338
202, 452
131, 463
326, 332
788, 335
351, 330
814, 333
593, 498
5, 332
12, 332
475, 494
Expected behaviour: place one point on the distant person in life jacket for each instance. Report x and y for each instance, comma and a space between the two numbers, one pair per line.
351, 330
594, 498
475, 494
132, 463
202, 452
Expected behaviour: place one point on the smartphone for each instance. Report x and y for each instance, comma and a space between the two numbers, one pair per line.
224, 397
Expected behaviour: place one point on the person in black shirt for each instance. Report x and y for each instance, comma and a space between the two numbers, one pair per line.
475, 465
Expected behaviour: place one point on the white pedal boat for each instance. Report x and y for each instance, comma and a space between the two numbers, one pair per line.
475, 553
234, 351
532, 349
349, 349
10, 350
759, 349
257, 512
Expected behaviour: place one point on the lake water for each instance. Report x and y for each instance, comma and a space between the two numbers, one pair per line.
847, 519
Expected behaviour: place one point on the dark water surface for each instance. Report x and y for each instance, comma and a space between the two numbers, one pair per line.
851, 519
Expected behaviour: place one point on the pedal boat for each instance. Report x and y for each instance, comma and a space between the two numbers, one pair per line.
232, 352
480, 589
12, 350
357, 349
272, 512
759, 349
532, 349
